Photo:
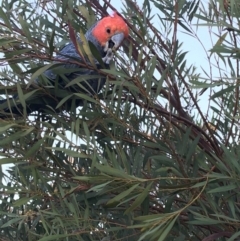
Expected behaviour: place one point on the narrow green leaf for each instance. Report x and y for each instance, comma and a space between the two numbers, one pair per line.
122, 195
11, 222
234, 236
223, 92
22, 201
41, 71
55, 237
11, 138
86, 49
8, 160
115, 172
35, 148
86, 97
139, 200
51, 42
22, 99
25, 28
6, 127
167, 228
5, 18
223, 189
63, 101
87, 132
69, 152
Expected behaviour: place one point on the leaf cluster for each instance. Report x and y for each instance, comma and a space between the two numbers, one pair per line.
139, 161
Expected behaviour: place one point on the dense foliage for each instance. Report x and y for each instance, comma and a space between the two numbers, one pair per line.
155, 156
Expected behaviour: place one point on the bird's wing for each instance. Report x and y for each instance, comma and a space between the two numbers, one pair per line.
67, 55
86, 78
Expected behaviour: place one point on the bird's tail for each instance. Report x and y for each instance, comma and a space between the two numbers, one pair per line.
12, 107
9, 108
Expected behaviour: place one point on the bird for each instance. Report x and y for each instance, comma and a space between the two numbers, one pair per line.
106, 35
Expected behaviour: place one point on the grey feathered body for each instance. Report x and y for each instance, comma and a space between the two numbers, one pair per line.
60, 76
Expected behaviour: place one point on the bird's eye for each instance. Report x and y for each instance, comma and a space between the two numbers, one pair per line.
108, 30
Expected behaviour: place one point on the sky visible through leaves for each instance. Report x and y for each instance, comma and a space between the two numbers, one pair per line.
197, 46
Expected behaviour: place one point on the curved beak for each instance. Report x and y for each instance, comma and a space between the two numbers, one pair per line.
117, 40
112, 45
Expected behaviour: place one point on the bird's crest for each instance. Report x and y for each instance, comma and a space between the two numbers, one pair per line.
112, 14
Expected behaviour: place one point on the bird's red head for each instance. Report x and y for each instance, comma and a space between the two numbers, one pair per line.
108, 27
